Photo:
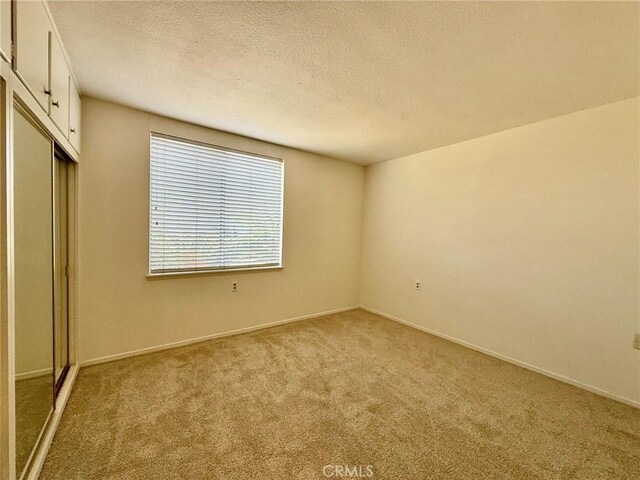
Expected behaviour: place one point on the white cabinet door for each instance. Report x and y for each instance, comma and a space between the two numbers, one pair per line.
59, 111
74, 115
32, 48
5, 29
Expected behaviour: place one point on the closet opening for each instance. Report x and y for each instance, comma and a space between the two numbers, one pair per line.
61, 173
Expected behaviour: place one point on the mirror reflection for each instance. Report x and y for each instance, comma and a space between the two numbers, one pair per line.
33, 270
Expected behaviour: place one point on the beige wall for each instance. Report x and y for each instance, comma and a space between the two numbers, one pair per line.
33, 249
120, 310
525, 241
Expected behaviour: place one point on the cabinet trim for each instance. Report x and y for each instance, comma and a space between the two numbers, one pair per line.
26, 97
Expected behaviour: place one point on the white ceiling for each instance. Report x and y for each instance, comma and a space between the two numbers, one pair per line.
360, 81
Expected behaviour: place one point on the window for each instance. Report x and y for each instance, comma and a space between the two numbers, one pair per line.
213, 208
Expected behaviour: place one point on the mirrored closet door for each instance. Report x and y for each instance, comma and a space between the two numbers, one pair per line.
40, 213
33, 277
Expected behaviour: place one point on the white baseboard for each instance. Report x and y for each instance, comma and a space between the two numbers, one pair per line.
514, 361
182, 343
45, 442
33, 374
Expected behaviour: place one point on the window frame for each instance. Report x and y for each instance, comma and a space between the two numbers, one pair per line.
213, 270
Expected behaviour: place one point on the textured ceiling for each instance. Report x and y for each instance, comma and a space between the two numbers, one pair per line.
360, 81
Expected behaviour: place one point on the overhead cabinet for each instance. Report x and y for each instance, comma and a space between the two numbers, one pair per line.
41, 64
59, 90
5, 30
32, 49
74, 115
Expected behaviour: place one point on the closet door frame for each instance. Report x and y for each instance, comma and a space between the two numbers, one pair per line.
13, 90
7, 340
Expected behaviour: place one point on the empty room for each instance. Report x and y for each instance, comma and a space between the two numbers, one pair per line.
319, 240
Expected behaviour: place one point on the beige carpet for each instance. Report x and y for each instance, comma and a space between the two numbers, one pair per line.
34, 402
348, 389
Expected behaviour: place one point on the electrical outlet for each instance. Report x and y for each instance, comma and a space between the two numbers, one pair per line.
418, 285
234, 286
636, 342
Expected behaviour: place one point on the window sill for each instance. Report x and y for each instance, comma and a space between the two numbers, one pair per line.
167, 275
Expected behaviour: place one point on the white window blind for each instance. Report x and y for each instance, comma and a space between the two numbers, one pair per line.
213, 208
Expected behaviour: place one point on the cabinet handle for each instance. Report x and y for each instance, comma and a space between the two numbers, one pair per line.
47, 92
55, 104
73, 130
